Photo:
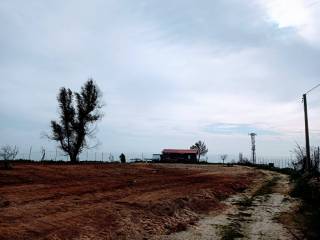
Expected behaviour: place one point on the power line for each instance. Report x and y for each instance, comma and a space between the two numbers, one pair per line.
313, 88
312, 4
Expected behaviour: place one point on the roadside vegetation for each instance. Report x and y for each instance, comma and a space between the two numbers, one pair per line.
308, 215
307, 187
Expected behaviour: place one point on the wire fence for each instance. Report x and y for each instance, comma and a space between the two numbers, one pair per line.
282, 162
108, 156
103, 156
276, 161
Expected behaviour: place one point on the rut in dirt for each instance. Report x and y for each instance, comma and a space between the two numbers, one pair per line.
250, 215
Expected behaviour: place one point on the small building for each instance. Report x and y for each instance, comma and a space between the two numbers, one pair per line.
179, 156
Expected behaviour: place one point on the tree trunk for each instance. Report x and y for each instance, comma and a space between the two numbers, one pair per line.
6, 164
74, 158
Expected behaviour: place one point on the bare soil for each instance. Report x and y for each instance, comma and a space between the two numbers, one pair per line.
113, 201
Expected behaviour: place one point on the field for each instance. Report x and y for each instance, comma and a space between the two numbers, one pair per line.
112, 201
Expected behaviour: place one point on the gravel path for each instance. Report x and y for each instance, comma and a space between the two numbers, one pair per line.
249, 215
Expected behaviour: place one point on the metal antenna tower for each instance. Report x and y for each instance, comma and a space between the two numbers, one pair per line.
253, 146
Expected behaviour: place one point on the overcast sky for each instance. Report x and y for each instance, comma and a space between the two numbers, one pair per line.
172, 71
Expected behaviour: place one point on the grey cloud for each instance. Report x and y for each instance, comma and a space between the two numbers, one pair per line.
231, 24
158, 60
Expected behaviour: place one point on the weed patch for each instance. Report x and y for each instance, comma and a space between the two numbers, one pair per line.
245, 201
231, 232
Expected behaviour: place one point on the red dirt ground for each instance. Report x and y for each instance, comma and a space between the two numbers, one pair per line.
111, 201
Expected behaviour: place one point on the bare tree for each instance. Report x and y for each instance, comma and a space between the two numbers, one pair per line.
8, 153
300, 161
224, 157
201, 149
78, 114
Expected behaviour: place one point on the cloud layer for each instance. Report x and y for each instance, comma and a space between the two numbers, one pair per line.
172, 72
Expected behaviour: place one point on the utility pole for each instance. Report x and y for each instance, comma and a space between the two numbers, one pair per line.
306, 123
253, 146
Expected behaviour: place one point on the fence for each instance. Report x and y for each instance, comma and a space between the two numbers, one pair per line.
283, 162
280, 161
58, 155
105, 156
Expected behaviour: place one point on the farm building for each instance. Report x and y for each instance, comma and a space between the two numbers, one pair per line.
179, 156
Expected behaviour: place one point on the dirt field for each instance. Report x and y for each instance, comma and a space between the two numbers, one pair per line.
132, 201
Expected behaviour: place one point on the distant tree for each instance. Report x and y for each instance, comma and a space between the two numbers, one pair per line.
122, 158
78, 112
201, 149
8, 153
224, 157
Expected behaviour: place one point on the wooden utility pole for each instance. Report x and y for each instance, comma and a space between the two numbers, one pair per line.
306, 130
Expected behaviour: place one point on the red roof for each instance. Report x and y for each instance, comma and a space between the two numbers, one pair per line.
180, 151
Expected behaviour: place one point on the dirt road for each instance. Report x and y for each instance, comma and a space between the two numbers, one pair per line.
253, 214
112, 201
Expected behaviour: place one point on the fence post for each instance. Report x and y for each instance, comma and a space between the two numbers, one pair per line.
30, 153
55, 157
